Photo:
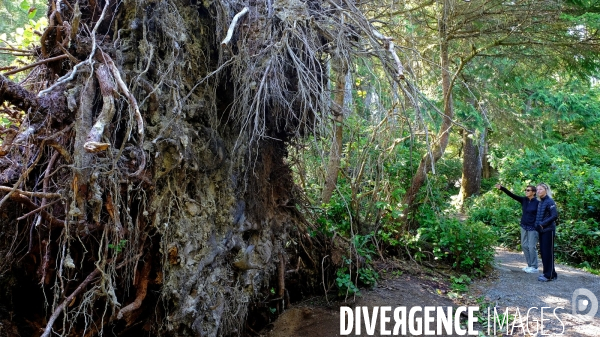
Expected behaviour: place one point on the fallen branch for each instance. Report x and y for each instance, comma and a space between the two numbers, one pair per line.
52, 59
68, 300
232, 26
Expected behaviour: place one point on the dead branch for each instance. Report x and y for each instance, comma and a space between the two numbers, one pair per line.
37, 210
66, 78
54, 222
232, 26
68, 300
16, 50
390, 47
17, 95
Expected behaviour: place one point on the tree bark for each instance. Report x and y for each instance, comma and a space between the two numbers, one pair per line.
337, 110
437, 149
472, 166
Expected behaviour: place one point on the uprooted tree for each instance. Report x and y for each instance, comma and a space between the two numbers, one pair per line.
144, 182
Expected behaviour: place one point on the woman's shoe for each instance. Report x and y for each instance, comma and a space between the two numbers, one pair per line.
543, 278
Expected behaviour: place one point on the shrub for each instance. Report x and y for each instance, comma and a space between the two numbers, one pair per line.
469, 246
577, 242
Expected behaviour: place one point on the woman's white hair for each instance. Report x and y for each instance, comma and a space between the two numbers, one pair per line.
547, 188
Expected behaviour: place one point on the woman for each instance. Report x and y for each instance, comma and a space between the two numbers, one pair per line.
546, 226
529, 235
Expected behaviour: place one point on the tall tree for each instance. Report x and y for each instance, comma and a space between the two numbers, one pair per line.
505, 30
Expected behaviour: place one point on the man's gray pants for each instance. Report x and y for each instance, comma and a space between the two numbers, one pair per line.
529, 240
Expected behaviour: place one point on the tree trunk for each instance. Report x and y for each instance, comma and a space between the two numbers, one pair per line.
437, 149
335, 152
486, 167
472, 166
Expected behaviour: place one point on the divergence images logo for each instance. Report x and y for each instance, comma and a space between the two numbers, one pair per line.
581, 305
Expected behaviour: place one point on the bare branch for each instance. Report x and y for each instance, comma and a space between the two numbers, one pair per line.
37, 210
66, 78
52, 59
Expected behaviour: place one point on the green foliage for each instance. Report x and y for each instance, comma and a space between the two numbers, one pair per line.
118, 247
367, 276
344, 282
460, 284
4, 121
543, 118
19, 20
502, 213
577, 242
576, 189
469, 246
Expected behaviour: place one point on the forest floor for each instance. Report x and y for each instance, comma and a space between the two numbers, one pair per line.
506, 287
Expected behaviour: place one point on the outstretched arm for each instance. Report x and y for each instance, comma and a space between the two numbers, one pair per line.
509, 193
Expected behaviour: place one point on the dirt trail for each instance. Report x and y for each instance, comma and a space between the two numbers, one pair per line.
507, 287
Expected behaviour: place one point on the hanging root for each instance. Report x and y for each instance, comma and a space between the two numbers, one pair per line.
107, 88
232, 26
142, 289
125, 91
68, 300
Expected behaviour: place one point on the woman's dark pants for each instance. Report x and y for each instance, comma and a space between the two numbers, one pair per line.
547, 251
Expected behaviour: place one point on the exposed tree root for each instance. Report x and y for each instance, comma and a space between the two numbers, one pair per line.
207, 199
142, 288
68, 300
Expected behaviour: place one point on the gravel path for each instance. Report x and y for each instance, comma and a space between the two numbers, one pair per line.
514, 289
508, 288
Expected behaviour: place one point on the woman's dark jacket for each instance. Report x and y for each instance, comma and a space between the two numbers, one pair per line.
529, 207
547, 214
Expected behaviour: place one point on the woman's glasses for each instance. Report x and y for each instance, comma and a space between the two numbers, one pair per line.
528, 190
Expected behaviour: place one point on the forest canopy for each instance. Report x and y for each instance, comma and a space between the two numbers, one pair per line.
181, 168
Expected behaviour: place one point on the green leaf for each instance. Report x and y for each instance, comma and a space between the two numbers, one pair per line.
24, 6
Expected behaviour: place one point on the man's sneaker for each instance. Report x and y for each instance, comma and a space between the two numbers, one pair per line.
525, 268
543, 278
531, 270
